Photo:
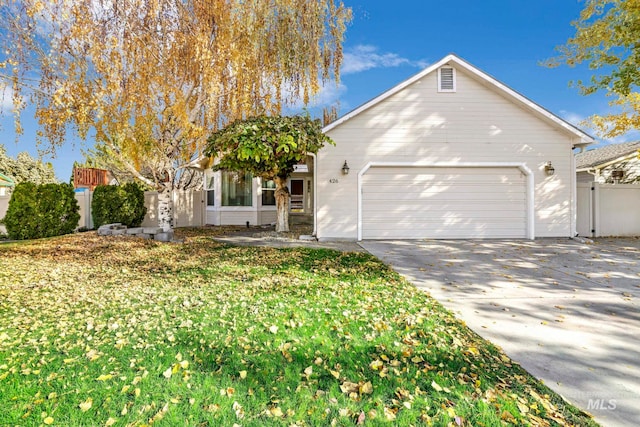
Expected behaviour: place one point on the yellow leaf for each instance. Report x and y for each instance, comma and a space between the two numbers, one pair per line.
86, 405
335, 374
110, 422
308, 371
366, 388
389, 414
105, 377
276, 412
435, 386
273, 329
243, 374
167, 374
48, 421
376, 365
184, 364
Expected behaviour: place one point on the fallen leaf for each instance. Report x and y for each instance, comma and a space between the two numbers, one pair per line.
86, 405
167, 374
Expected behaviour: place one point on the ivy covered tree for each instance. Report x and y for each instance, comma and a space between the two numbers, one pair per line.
268, 147
607, 38
152, 79
25, 168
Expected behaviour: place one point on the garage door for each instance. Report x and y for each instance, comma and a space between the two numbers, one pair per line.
444, 203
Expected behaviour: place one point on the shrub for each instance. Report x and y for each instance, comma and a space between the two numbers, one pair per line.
114, 203
37, 211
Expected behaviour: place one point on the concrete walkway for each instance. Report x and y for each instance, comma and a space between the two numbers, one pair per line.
567, 312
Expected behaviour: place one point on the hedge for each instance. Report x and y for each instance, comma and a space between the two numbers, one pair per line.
37, 211
114, 203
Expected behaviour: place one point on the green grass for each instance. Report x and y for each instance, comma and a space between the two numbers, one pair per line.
113, 331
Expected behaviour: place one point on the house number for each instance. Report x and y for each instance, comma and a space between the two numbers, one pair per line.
333, 180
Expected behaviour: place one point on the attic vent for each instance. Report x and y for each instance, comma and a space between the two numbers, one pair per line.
446, 79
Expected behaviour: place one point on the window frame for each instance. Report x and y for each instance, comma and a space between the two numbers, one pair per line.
263, 189
248, 181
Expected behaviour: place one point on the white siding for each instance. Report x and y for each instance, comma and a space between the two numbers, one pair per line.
4, 205
418, 124
444, 203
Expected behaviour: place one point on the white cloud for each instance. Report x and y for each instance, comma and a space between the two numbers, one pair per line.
329, 94
6, 98
367, 57
573, 118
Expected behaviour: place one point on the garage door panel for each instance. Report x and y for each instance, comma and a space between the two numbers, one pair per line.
443, 203
442, 195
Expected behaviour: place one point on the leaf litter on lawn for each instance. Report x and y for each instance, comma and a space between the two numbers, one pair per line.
114, 331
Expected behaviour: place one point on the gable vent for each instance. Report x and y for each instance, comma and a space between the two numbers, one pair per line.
446, 79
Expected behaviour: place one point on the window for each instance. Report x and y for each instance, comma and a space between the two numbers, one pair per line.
209, 183
236, 189
446, 79
268, 193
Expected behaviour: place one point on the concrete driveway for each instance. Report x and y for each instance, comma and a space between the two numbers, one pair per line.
567, 312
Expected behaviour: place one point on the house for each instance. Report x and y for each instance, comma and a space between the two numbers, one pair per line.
611, 164
449, 153
6, 184
236, 198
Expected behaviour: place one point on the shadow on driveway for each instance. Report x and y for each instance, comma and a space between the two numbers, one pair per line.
567, 312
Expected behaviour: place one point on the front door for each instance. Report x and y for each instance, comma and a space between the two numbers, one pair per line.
297, 195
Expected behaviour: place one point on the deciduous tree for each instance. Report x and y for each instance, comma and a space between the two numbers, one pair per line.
268, 147
150, 80
607, 38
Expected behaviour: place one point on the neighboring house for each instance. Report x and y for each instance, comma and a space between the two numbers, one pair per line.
611, 164
449, 153
6, 184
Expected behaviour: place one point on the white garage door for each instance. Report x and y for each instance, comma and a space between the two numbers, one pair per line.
444, 203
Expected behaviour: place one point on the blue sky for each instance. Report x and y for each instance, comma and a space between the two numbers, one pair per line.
388, 42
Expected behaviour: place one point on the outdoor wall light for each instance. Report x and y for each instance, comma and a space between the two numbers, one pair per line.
549, 169
345, 168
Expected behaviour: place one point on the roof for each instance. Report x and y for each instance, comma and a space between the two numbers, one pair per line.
608, 153
5, 181
498, 86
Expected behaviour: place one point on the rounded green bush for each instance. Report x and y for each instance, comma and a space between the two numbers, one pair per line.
37, 211
114, 203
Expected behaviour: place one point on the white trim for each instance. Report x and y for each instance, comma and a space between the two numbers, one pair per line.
530, 231
451, 60
315, 193
573, 178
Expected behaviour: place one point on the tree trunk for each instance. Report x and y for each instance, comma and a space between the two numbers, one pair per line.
165, 208
282, 204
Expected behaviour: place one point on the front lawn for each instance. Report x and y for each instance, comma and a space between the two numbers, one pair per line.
100, 331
